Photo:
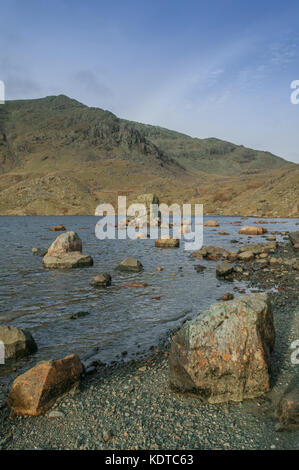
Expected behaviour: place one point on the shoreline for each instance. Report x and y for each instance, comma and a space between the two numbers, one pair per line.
131, 406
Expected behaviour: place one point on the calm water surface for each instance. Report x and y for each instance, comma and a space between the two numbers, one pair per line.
120, 319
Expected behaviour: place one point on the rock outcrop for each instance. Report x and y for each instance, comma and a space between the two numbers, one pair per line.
224, 354
17, 343
34, 392
66, 253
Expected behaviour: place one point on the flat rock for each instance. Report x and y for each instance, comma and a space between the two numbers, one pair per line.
17, 343
70, 260
58, 228
224, 353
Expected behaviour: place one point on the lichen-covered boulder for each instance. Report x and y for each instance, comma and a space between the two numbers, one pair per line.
224, 354
35, 391
17, 343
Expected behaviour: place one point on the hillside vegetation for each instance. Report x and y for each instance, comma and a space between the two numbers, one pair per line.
58, 156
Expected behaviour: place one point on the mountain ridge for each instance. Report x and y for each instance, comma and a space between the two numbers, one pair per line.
92, 154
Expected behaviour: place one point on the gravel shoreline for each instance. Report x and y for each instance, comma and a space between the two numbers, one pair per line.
131, 406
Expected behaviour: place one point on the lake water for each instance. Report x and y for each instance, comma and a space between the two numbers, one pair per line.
120, 319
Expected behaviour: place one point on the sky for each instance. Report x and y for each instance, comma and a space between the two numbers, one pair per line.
217, 68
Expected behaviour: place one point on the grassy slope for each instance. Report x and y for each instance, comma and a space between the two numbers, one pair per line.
58, 156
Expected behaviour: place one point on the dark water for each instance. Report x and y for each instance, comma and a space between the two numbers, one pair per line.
120, 319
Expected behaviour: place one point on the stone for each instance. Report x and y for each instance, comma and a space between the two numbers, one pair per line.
58, 228
135, 284
259, 248
130, 264
224, 353
287, 410
199, 268
39, 252
211, 223
66, 253
252, 230
224, 269
67, 261
102, 280
294, 239
246, 256
207, 251
167, 242
17, 343
227, 296
35, 392
65, 243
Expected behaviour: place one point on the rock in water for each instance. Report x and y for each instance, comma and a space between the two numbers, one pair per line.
211, 223
224, 354
65, 243
252, 230
224, 269
102, 280
58, 228
39, 252
287, 410
17, 343
294, 238
130, 264
34, 392
246, 256
66, 252
167, 242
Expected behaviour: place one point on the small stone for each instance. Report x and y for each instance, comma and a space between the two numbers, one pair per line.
56, 414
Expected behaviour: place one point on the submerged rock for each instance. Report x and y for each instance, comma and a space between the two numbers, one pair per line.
58, 228
224, 354
130, 264
17, 343
34, 392
39, 252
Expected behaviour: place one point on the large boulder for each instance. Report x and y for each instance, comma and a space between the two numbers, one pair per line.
224, 353
34, 392
130, 265
167, 242
17, 343
294, 238
66, 253
65, 243
252, 230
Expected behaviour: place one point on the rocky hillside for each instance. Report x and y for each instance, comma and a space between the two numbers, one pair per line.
58, 156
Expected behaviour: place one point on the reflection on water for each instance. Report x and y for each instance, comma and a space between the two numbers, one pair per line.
119, 319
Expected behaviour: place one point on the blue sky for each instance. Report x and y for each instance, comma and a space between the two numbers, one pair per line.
219, 68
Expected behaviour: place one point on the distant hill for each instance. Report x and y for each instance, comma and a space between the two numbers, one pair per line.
58, 156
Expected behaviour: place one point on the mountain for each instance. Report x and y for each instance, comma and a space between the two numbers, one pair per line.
58, 156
